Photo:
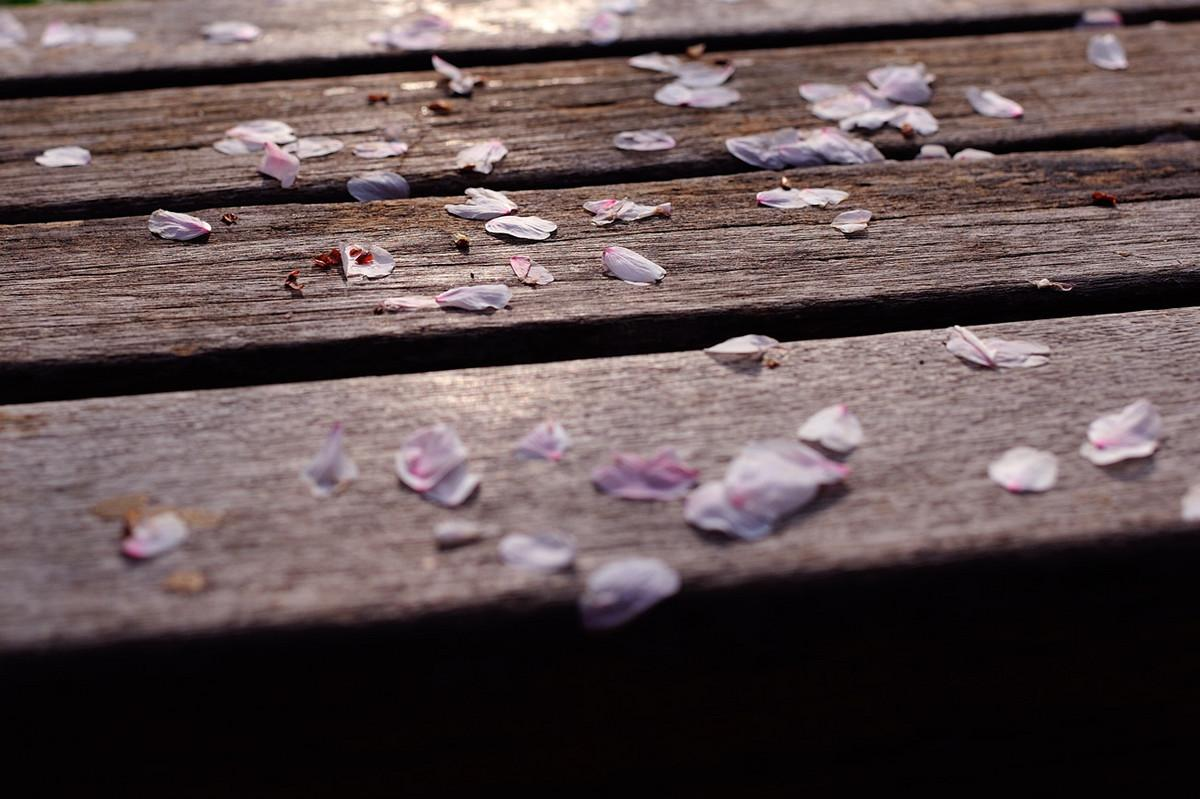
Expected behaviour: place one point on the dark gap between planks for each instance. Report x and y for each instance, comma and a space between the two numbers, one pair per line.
163, 77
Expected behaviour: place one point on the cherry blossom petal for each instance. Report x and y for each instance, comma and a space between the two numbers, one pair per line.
697, 75
621, 590
823, 197
931, 152
995, 353
231, 32
629, 266
661, 477
332, 469
482, 157
1099, 18
407, 303
1190, 504
529, 273
843, 106
236, 146
612, 210
763, 150
677, 93
1131, 432
428, 455
64, 156
483, 204
709, 508
455, 533
868, 120
64, 34
547, 440
378, 186
12, 32
1045, 283
918, 120
835, 428
656, 62
620, 6
773, 479
455, 488
830, 146
903, 84
748, 348
800, 198
178, 227
1025, 469
990, 104
461, 83
643, 140
604, 28
486, 297
260, 131
971, 154
154, 536
380, 149
277, 164
850, 222
315, 147
367, 261
816, 92
545, 553
533, 228
426, 32
1105, 51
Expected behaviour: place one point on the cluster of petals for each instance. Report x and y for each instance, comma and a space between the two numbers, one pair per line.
66, 34
1131, 432
767, 482
1024, 470
543, 553
432, 461
995, 353
425, 32
800, 198
481, 157
64, 156
610, 210
483, 204
547, 440
687, 72
790, 147
332, 469
623, 589
178, 227
990, 104
252, 136
154, 535
835, 428
891, 98
679, 94
662, 477
631, 267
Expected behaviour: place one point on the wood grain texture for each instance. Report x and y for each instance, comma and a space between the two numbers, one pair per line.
152, 148
316, 37
918, 496
101, 306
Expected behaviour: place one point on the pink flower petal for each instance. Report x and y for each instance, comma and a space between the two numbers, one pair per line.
773, 479
830, 146
627, 265
378, 186
903, 84
971, 154
408, 303
380, 149
816, 92
662, 477
154, 536
930, 152
332, 469
678, 94
231, 32
277, 164
545, 553
843, 106
258, 132
64, 156
483, 204
367, 261
800, 198
428, 455
656, 62
1131, 432
455, 533
486, 297
995, 353
623, 589
835, 428
850, 222
314, 147
1025, 469
604, 28
643, 140
63, 34
178, 227
532, 228
1105, 51
990, 104
455, 488
763, 150
425, 32
547, 440
612, 210
483, 156
709, 508
697, 75
529, 273
750, 348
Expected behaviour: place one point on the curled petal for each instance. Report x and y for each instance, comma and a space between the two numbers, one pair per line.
971, 154
178, 227
528, 272
850, 222
903, 84
990, 104
380, 149
763, 150
455, 533
409, 303
835, 428
428, 455
1025, 469
332, 469
154, 536
545, 553
662, 477
1190, 504
1131, 432
742, 348
482, 157
629, 266
931, 152
258, 132
315, 147
773, 479
604, 28
1105, 51
612, 210
643, 140
709, 508
620, 590
995, 353
231, 32
455, 488
487, 297
677, 93
378, 186
483, 204
64, 156
277, 164
366, 260
547, 440
461, 83
533, 228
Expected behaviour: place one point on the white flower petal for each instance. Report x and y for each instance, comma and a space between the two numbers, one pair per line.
1099, 18
426, 32
622, 589
454, 533
277, 164
178, 227
676, 93
850, 222
697, 75
830, 146
1190, 504
380, 149
231, 32
378, 186
315, 147
12, 32
154, 536
1025, 469
933, 152
643, 140
995, 353
848, 105
64, 156
545, 553
332, 469
763, 150
742, 348
367, 261
661, 477
533, 228
709, 508
1131, 432
1105, 51
612, 210
656, 62
629, 266
971, 154
64, 34
486, 297
483, 204
816, 92
407, 303
482, 157
773, 479
835, 428
428, 455
261, 131
455, 488
236, 146
529, 273
547, 440
918, 120
903, 84
990, 104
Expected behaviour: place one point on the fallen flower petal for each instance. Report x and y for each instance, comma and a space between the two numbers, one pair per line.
703, 76
529, 273
709, 508
425, 32
763, 150
612, 210
1044, 283
178, 227
483, 204
315, 147
231, 32
604, 28
378, 186
990, 104
850, 222
821, 198
12, 32
547, 440
533, 228
677, 93
835, 428
455, 488
545, 553
933, 152
1190, 504
332, 469
629, 266
773, 479
622, 589
486, 297
903, 84
455, 533
62, 34
277, 164
656, 62
260, 131
409, 303
1025, 469
482, 157
64, 156
154, 535
914, 119
1105, 51
1131, 432
643, 140
800, 198
369, 261
459, 82
816, 92
428, 455
1099, 18
995, 353
742, 348
380, 149
661, 477
972, 154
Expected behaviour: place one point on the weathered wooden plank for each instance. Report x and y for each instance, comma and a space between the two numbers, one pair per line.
306, 37
918, 496
152, 148
101, 306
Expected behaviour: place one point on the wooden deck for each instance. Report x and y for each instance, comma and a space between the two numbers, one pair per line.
918, 622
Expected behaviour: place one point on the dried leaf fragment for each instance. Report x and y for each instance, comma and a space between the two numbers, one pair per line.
185, 581
229, 218
1105, 199
623, 589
